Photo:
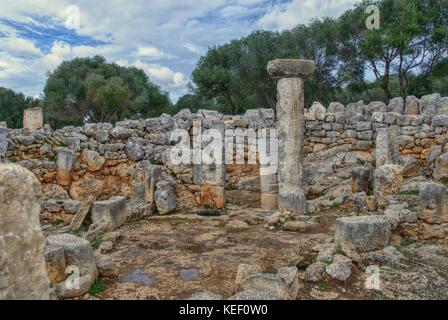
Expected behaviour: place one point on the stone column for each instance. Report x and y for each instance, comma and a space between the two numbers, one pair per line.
23, 272
291, 130
33, 118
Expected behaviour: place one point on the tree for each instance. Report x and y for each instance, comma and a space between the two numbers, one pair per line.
12, 105
90, 89
412, 38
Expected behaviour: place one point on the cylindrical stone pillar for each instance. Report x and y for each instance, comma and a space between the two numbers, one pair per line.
23, 271
291, 130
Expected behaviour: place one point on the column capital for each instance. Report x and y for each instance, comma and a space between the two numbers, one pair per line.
290, 68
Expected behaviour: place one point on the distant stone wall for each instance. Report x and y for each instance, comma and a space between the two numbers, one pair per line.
106, 160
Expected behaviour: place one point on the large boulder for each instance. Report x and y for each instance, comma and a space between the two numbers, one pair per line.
23, 272
364, 233
433, 200
428, 104
93, 160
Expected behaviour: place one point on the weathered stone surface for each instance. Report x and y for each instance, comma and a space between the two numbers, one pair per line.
433, 200
164, 197
318, 110
291, 129
315, 272
387, 182
269, 201
364, 233
56, 264
3, 141
134, 150
23, 273
33, 119
428, 104
411, 106
387, 149
65, 162
339, 271
410, 166
284, 283
93, 160
105, 266
290, 68
110, 214
336, 107
441, 169
256, 294
396, 105
205, 295
361, 179
87, 186
296, 226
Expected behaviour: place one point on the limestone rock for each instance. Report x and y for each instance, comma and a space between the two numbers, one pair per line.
387, 181
361, 179
65, 162
237, 225
164, 197
339, 271
109, 214
134, 150
205, 295
428, 104
315, 272
93, 160
433, 200
318, 110
256, 294
23, 273
441, 169
396, 105
365, 233
290, 68
411, 106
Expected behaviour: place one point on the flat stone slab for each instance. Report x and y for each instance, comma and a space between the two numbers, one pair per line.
291, 68
365, 233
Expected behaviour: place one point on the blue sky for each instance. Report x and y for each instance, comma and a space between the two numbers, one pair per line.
163, 37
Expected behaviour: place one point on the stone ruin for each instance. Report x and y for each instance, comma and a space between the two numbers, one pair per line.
105, 175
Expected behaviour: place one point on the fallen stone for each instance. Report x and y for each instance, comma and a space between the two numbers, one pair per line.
338, 271
364, 233
315, 272
110, 214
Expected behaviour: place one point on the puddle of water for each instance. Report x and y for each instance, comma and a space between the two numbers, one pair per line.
189, 274
138, 275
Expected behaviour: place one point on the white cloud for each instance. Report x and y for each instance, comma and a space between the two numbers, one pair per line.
285, 16
153, 53
163, 37
19, 47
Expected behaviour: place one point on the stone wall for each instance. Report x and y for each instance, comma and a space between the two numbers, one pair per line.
105, 160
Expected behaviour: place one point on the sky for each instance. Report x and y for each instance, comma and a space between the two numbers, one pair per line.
165, 38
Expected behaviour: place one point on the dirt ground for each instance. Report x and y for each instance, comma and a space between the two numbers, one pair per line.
175, 256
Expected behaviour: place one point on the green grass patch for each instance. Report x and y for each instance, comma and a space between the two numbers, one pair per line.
323, 285
410, 193
97, 239
346, 177
406, 242
97, 287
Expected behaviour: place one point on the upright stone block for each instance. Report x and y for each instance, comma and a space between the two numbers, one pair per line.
387, 182
387, 150
291, 130
23, 272
433, 200
3, 141
33, 119
65, 162
364, 233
